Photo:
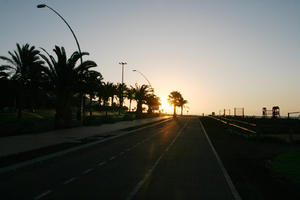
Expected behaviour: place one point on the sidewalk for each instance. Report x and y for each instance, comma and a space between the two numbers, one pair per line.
18, 144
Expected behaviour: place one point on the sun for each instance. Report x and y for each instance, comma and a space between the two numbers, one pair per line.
165, 106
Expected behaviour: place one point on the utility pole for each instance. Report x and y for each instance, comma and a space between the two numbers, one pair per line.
121, 100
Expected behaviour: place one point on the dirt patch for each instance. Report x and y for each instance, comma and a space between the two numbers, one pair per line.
246, 162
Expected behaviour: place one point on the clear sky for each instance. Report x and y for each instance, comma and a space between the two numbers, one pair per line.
218, 54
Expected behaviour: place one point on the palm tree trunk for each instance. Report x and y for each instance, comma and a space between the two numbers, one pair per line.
174, 110
79, 107
130, 105
91, 112
83, 107
181, 109
112, 100
19, 103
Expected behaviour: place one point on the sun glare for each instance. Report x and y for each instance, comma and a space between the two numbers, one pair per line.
165, 106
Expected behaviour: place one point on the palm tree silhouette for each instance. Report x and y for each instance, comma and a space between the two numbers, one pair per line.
105, 94
64, 76
93, 81
181, 103
4, 72
25, 64
141, 93
173, 99
130, 95
121, 88
153, 102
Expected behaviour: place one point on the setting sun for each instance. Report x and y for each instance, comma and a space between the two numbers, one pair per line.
165, 106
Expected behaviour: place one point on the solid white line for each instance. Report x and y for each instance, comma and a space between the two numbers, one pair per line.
42, 195
234, 192
148, 174
87, 171
70, 180
102, 163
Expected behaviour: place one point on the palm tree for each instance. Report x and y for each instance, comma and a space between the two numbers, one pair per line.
25, 64
64, 76
93, 81
105, 94
181, 103
113, 92
173, 99
121, 88
130, 95
153, 102
141, 93
4, 72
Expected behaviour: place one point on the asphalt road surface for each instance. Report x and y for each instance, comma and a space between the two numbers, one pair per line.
172, 160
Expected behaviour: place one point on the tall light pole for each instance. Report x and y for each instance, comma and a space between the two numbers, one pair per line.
43, 6
122, 63
121, 101
143, 76
81, 110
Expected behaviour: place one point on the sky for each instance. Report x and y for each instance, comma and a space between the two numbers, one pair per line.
218, 54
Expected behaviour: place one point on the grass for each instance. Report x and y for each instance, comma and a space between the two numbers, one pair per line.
42, 114
288, 166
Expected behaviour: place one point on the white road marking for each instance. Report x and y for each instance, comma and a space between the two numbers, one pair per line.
121, 153
234, 192
64, 152
148, 174
87, 171
102, 163
70, 180
42, 195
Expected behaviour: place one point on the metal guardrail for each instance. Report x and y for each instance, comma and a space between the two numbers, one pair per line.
234, 125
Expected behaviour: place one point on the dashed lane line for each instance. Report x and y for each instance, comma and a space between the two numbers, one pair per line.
42, 195
73, 149
88, 171
102, 163
69, 180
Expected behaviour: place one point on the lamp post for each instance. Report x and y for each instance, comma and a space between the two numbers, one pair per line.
121, 101
122, 63
43, 6
81, 110
143, 76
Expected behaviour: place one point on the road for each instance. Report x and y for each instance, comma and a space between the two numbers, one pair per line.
173, 160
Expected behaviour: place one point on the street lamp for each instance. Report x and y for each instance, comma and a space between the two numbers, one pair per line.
143, 76
122, 63
121, 102
81, 110
43, 6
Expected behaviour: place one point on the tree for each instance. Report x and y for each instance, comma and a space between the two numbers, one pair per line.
105, 94
112, 91
141, 93
25, 64
121, 88
4, 72
181, 103
130, 95
93, 81
173, 99
64, 76
153, 102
